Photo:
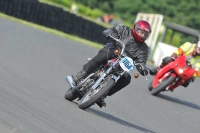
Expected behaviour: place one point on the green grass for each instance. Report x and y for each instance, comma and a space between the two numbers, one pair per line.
53, 31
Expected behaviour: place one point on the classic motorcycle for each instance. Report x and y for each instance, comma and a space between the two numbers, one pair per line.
172, 75
96, 85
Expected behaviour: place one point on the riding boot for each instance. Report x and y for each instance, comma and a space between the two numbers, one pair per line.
101, 102
80, 75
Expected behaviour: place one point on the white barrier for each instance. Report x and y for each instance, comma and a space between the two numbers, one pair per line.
162, 50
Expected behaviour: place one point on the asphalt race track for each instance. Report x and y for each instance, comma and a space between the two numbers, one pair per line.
33, 67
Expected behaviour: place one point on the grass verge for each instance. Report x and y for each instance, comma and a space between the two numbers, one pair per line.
53, 31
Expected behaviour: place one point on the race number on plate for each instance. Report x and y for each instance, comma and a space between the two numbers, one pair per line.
126, 64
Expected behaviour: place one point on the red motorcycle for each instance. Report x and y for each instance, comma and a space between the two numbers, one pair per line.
172, 75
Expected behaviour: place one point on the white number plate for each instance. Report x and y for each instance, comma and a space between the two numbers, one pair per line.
126, 64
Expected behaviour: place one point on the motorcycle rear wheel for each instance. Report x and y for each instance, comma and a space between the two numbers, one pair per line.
92, 96
162, 85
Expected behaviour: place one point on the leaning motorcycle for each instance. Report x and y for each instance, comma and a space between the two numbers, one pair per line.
96, 85
172, 75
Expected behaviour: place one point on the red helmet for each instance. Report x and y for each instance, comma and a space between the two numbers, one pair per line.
141, 30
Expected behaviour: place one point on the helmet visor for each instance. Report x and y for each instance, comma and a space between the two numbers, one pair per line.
142, 34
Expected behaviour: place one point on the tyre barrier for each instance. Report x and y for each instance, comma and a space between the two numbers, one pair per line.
53, 17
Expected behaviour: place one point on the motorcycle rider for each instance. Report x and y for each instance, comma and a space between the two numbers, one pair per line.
190, 50
135, 47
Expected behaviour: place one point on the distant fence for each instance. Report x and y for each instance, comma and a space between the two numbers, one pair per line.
53, 17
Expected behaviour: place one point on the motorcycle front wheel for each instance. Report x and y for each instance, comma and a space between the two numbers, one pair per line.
93, 95
162, 86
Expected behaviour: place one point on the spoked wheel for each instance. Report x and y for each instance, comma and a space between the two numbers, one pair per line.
162, 86
93, 95
71, 94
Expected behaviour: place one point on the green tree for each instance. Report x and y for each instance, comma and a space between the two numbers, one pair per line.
184, 12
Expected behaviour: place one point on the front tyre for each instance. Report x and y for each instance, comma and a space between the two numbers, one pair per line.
92, 96
71, 94
162, 85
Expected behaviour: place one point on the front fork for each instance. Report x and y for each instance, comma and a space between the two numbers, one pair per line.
116, 78
102, 77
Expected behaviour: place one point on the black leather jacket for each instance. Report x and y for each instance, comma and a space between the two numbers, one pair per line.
136, 50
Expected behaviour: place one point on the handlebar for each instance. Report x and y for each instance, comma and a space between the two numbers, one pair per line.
117, 40
123, 47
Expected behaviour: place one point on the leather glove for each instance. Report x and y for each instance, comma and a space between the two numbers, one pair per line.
144, 72
141, 69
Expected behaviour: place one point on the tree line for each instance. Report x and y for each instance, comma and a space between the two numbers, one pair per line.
184, 12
